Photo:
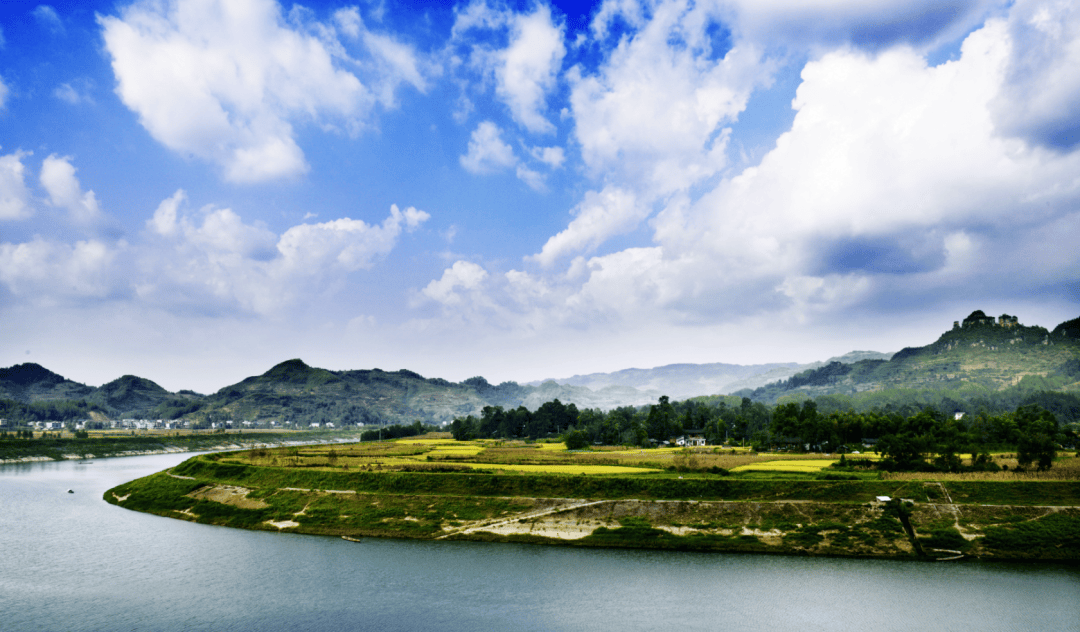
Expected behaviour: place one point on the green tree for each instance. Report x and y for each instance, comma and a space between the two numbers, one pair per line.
1038, 430
577, 440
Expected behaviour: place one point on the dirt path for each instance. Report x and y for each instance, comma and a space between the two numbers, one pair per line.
526, 516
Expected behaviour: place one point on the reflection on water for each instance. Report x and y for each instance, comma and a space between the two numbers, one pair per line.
73, 562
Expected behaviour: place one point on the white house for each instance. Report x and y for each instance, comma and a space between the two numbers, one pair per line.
694, 438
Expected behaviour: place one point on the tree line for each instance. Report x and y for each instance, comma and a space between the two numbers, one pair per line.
926, 438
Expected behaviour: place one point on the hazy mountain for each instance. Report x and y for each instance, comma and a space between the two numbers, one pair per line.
682, 381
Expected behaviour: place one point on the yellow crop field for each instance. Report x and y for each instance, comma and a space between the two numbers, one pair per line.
458, 450
552, 446
555, 468
799, 465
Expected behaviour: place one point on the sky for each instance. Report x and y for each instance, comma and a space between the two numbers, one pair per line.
194, 190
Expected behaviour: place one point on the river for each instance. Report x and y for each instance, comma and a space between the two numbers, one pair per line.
70, 561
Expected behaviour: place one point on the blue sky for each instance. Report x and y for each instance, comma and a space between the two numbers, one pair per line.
194, 190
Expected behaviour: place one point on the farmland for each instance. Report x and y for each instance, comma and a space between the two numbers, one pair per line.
719, 499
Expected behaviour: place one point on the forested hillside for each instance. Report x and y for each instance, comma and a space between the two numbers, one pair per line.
983, 359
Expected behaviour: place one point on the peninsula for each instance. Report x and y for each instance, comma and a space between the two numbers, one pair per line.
707, 499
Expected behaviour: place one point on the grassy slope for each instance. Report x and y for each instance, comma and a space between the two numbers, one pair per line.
701, 513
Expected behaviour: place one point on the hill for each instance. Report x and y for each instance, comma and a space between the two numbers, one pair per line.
979, 354
31, 382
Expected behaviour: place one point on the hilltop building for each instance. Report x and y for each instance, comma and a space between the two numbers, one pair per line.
978, 317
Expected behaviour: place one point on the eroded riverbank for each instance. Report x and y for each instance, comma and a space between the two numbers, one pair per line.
785, 517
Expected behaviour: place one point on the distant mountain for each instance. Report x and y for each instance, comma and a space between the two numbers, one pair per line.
682, 381
981, 353
132, 396
31, 382
294, 391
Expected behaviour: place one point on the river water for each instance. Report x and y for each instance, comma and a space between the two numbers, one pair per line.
74, 562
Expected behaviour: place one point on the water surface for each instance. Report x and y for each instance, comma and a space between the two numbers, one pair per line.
74, 562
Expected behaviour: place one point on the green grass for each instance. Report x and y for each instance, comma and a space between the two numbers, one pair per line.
1052, 537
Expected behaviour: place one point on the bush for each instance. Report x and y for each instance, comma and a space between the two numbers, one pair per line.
577, 440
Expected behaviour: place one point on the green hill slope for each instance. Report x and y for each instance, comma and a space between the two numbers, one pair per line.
981, 355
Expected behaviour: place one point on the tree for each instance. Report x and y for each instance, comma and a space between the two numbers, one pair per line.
577, 440
662, 423
1038, 429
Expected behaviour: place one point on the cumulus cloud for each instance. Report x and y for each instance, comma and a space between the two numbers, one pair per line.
488, 152
58, 179
895, 186
462, 277
346, 244
226, 81
222, 261
553, 157
1040, 97
14, 196
526, 69
209, 261
48, 271
654, 113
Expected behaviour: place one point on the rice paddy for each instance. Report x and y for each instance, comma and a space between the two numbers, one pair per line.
787, 465
440, 453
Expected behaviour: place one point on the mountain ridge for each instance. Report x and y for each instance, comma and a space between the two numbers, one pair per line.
982, 353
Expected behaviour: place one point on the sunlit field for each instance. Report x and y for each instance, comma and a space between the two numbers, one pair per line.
439, 453
787, 465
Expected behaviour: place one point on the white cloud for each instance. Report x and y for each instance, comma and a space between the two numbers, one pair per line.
226, 81
163, 221
534, 179
229, 264
610, 212
4, 90
487, 151
553, 157
654, 113
74, 94
894, 188
1040, 97
892, 178
348, 244
348, 20
14, 196
47, 271
48, 18
463, 275
526, 69
65, 92
58, 179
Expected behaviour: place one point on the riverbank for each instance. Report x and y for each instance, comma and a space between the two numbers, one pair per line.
1027, 520
66, 449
